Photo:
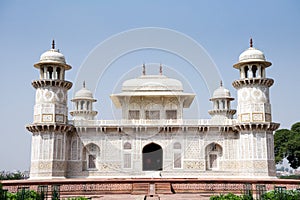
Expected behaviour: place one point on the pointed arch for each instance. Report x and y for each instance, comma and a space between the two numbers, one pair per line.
152, 157
91, 153
213, 154
127, 145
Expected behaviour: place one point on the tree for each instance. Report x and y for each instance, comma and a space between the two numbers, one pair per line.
287, 145
281, 138
12, 175
296, 127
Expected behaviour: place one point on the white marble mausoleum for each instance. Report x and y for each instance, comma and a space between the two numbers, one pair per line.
153, 139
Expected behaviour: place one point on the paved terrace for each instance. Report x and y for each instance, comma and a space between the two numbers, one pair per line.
151, 188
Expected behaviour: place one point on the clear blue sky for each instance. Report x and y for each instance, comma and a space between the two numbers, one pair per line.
223, 28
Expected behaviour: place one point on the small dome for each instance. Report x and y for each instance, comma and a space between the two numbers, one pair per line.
83, 94
252, 54
221, 93
52, 55
152, 83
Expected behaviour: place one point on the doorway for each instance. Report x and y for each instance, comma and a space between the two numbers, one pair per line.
152, 157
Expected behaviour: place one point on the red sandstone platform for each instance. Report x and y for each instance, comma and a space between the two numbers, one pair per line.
138, 188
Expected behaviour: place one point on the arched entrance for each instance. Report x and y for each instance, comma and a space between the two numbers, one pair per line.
152, 157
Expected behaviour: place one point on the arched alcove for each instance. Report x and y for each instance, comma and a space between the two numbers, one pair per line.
152, 157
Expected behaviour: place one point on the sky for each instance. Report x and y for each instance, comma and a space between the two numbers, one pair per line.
221, 28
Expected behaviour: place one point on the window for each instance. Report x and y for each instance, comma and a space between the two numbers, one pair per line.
177, 145
171, 114
92, 162
213, 155
177, 160
134, 114
127, 160
152, 114
213, 163
92, 152
127, 146
177, 155
127, 155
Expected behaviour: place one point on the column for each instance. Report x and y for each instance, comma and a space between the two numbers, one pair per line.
259, 71
250, 73
54, 75
41, 72
220, 104
45, 72
242, 72
62, 71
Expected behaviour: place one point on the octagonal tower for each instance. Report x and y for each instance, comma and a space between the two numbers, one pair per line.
50, 126
254, 118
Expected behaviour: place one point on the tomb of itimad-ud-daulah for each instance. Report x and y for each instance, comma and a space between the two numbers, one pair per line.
152, 139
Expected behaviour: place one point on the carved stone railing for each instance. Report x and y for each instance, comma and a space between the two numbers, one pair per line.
161, 122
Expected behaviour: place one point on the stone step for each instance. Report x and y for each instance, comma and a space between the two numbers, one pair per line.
163, 188
140, 188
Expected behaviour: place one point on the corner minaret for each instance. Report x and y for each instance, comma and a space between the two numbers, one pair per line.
50, 126
253, 87
83, 105
221, 104
254, 119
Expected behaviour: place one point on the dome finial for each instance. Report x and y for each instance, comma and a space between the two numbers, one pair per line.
251, 42
160, 69
83, 84
221, 83
53, 44
144, 70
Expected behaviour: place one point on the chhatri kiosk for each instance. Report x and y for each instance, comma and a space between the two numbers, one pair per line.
153, 139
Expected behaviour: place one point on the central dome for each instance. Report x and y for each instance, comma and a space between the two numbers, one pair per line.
152, 83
